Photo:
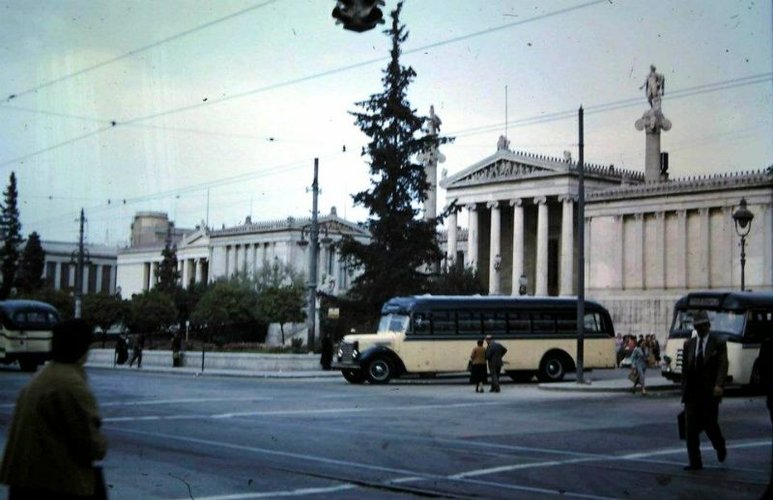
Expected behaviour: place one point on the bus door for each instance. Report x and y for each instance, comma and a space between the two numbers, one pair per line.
417, 351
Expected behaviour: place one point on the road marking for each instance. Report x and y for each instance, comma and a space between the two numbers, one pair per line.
407, 476
307, 411
531, 465
175, 401
273, 494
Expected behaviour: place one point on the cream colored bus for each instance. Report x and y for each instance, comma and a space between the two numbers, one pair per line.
26, 329
427, 335
743, 319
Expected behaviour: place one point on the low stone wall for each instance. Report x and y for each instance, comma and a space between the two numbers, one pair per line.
218, 360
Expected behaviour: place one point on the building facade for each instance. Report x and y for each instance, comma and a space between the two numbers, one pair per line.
99, 271
646, 243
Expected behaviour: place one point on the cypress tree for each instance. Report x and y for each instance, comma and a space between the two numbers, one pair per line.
30, 275
402, 243
10, 227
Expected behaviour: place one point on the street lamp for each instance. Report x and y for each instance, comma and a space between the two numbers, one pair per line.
743, 224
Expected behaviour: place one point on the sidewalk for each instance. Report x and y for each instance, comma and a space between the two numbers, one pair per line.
222, 372
655, 382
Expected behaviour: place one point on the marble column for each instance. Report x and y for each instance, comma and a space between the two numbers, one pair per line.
495, 257
452, 238
620, 223
567, 245
517, 244
659, 252
472, 237
641, 253
681, 245
704, 277
541, 282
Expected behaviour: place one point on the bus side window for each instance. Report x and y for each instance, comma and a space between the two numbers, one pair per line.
421, 324
566, 322
469, 323
494, 323
593, 323
760, 325
443, 323
518, 323
544, 322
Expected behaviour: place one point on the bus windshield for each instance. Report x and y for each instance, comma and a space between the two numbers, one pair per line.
722, 322
393, 323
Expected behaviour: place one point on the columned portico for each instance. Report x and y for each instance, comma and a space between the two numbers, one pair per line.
472, 236
567, 245
495, 257
452, 237
541, 271
518, 268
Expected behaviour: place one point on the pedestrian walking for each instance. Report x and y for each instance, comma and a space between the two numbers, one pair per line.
703, 381
494, 354
478, 366
177, 343
121, 350
639, 366
137, 346
54, 437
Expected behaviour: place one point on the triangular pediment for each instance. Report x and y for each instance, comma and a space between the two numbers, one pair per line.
507, 165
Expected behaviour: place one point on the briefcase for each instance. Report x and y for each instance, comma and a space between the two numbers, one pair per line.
681, 425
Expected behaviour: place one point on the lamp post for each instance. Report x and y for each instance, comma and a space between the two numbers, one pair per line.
743, 224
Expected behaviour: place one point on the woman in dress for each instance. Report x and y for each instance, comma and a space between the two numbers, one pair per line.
639, 363
478, 366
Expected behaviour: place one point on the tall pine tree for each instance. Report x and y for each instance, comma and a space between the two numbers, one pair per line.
30, 274
10, 227
402, 243
168, 275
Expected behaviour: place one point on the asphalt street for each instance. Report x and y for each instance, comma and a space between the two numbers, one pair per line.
185, 436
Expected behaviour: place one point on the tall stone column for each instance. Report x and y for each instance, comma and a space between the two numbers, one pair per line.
705, 256
472, 236
541, 284
620, 229
452, 238
517, 244
652, 122
495, 257
186, 268
567, 245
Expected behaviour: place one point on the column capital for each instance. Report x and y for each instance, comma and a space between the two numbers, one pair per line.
471, 207
704, 211
516, 202
638, 216
492, 204
568, 197
540, 200
660, 215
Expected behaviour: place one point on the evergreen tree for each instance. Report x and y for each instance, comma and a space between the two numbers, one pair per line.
30, 276
10, 227
167, 274
402, 244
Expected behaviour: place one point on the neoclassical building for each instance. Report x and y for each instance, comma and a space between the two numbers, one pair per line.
646, 243
207, 254
99, 272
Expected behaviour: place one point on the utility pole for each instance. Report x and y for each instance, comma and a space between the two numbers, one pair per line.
80, 260
581, 256
313, 250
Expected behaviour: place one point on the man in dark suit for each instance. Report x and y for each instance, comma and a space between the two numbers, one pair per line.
494, 353
704, 368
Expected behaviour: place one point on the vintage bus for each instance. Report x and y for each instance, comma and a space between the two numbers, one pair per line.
743, 319
427, 335
26, 329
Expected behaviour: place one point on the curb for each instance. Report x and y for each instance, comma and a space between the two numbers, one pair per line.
214, 372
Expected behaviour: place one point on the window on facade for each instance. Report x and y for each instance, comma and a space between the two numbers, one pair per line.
518, 322
92, 278
51, 274
64, 277
494, 323
443, 323
106, 271
469, 323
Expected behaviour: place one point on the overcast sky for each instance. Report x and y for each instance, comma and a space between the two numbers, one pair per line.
126, 106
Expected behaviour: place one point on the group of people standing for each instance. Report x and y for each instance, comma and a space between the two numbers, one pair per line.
490, 355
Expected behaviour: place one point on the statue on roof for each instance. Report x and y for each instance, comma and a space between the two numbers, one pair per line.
655, 87
503, 143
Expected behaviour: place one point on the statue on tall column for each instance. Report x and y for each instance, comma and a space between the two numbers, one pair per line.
655, 87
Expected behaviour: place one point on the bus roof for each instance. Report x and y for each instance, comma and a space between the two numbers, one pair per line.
423, 302
9, 306
725, 300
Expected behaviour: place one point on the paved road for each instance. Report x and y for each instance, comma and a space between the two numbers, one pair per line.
181, 436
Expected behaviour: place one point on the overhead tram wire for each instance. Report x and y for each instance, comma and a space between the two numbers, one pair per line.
136, 51
534, 120
278, 84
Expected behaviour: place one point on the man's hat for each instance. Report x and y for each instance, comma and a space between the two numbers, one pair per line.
700, 317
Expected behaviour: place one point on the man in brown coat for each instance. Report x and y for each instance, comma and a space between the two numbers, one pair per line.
54, 436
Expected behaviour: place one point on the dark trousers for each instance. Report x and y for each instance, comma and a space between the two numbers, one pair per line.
136, 356
493, 368
702, 416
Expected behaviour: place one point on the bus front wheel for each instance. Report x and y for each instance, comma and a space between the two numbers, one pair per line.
380, 370
553, 367
353, 376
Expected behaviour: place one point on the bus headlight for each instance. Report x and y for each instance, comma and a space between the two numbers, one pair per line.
355, 354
